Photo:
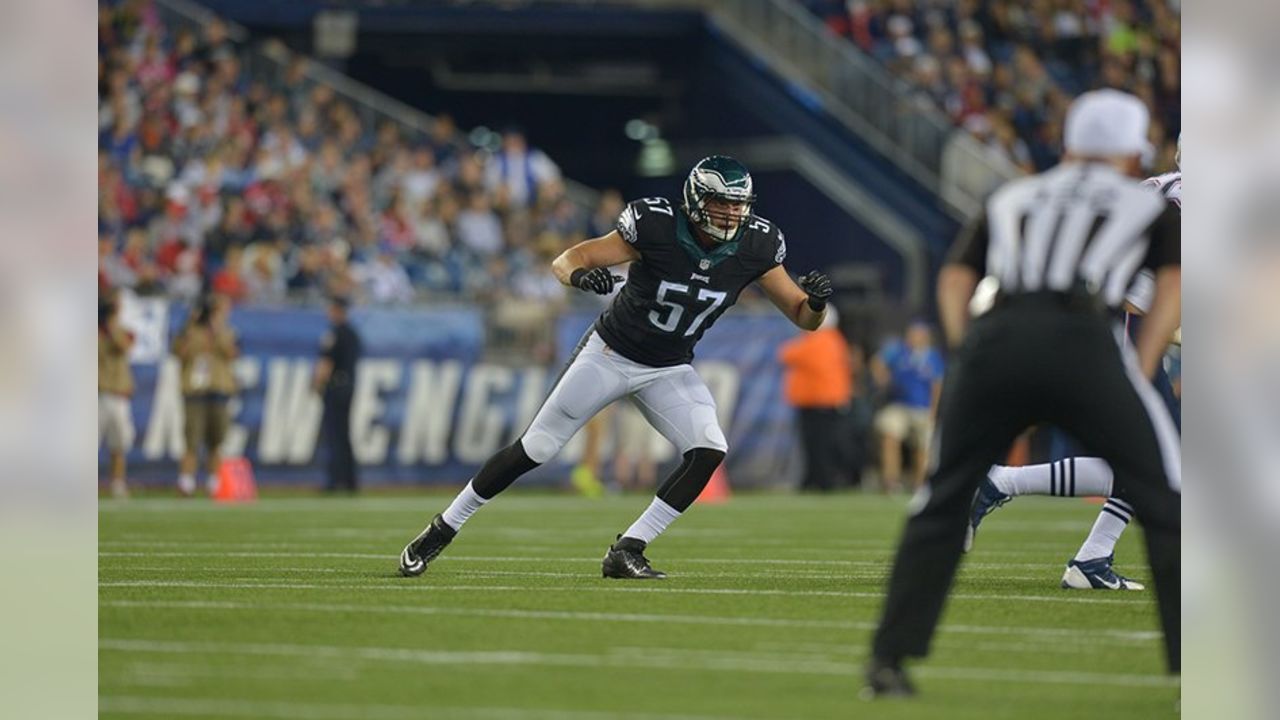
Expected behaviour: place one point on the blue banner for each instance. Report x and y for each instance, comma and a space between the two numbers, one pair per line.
429, 408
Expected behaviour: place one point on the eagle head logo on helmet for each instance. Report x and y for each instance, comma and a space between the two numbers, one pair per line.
718, 197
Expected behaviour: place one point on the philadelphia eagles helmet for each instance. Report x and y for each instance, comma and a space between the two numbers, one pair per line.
723, 179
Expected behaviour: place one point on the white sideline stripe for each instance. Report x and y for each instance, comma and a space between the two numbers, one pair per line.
303, 553
1054, 634
285, 710
247, 583
138, 671
651, 658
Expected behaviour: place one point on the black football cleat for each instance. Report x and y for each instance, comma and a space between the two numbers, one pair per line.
626, 560
424, 548
887, 679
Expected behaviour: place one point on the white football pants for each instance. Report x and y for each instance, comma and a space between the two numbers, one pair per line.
674, 400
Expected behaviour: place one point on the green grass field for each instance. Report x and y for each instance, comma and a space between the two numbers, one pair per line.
291, 608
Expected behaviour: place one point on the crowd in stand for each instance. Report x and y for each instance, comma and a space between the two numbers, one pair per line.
211, 179
1006, 70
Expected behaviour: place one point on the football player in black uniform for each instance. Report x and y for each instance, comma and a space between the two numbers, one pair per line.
688, 265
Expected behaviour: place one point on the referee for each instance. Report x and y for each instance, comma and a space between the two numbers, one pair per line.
1061, 247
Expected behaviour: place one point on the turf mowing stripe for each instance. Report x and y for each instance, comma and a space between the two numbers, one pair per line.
772, 575
1044, 677
241, 583
422, 505
712, 534
292, 542
649, 658
229, 707
303, 552
652, 658
1055, 634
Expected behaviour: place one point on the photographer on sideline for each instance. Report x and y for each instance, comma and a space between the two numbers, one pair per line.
206, 348
115, 386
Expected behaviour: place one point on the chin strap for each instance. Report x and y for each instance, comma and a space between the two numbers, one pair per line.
718, 237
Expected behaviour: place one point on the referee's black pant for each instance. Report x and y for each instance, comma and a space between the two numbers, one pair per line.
1035, 359
342, 469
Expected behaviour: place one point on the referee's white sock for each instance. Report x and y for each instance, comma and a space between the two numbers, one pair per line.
1111, 522
463, 507
654, 520
1070, 477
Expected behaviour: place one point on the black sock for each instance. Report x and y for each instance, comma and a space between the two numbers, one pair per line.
686, 483
501, 470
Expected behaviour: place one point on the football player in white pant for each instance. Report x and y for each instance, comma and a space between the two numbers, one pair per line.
689, 261
1092, 568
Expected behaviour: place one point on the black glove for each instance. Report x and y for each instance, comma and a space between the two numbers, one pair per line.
597, 280
818, 288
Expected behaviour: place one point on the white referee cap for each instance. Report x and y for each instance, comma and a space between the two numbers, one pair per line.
1107, 123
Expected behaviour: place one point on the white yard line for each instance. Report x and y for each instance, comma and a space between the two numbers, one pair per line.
1056, 635
265, 570
251, 583
142, 672
648, 658
300, 554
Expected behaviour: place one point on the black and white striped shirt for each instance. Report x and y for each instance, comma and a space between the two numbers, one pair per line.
1075, 225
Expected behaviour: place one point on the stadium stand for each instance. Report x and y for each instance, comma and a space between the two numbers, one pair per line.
1006, 71
219, 173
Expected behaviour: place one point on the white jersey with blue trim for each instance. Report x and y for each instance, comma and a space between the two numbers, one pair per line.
1143, 289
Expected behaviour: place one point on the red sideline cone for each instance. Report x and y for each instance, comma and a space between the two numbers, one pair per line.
717, 489
235, 481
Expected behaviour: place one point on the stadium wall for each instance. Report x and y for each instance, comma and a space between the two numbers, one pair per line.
429, 406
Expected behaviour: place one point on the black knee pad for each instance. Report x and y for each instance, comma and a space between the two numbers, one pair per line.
686, 483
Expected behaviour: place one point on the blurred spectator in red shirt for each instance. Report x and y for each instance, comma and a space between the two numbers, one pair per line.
396, 229
229, 281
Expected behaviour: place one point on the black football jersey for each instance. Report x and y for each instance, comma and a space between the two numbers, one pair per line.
677, 289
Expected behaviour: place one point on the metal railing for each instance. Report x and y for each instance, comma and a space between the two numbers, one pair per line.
193, 16
852, 87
